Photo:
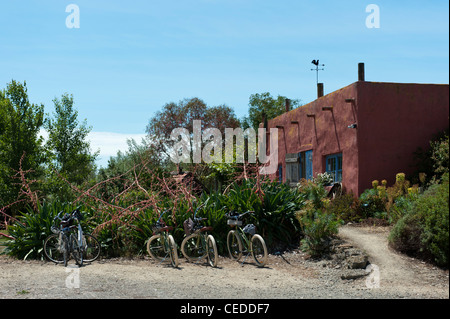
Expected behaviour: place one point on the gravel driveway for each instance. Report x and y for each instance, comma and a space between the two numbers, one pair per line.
289, 276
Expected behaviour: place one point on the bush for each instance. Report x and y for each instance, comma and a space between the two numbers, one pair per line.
433, 162
31, 230
439, 156
424, 229
274, 205
372, 204
345, 208
122, 232
318, 228
314, 191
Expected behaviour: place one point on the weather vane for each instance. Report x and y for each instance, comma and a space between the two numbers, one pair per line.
316, 63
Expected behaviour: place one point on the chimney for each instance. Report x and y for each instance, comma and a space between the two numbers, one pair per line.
264, 119
361, 72
319, 90
288, 105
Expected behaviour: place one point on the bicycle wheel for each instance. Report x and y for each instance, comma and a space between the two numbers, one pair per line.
212, 251
173, 252
91, 248
54, 249
192, 248
259, 250
77, 251
234, 245
155, 247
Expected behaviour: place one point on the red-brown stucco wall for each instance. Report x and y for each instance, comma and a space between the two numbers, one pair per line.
394, 119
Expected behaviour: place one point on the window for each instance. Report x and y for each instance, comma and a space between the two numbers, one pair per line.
298, 166
306, 161
280, 173
334, 167
292, 168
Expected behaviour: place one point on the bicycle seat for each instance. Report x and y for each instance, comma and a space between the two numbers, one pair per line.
165, 228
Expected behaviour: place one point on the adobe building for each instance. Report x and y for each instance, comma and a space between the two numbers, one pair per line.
362, 132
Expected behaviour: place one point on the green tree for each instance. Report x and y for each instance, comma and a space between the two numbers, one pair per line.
182, 115
70, 151
20, 123
264, 103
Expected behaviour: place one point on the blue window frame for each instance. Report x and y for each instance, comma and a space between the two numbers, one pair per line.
334, 167
306, 164
280, 173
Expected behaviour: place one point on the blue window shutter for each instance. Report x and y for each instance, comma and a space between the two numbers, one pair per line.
309, 164
334, 166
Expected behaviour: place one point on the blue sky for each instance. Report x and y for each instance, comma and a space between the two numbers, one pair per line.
129, 58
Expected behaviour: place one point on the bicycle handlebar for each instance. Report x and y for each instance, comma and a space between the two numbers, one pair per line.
160, 216
236, 215
197, 209
74, 214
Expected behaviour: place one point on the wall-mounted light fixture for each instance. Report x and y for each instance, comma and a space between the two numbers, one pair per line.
354, 125
327, 108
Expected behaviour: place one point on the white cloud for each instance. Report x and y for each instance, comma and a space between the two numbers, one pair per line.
109, 143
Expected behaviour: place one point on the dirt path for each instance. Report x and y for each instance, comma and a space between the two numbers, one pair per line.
397, 272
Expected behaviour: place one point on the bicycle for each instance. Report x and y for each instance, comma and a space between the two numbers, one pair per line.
245, 240
162, 244
65, 241
198, 244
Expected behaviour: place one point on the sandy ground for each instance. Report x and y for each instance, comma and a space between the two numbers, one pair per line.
290, 276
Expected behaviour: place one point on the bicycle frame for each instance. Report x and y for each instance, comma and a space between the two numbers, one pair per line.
166, 244
242, 241
243, 235
70, 239
164, 236
246, 240
199, 243
66, 233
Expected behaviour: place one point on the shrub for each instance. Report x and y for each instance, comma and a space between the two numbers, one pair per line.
433, 162
318, 228
424, 229
440, 154
313, 191
345, 208
274, 205
31, 231
372, 204
401, 205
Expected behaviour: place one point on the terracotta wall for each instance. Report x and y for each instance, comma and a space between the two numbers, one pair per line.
394, 119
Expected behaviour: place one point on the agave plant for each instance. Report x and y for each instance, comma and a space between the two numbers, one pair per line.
31, 230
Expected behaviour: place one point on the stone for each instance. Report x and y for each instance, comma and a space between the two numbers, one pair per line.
357, 261
353, 274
